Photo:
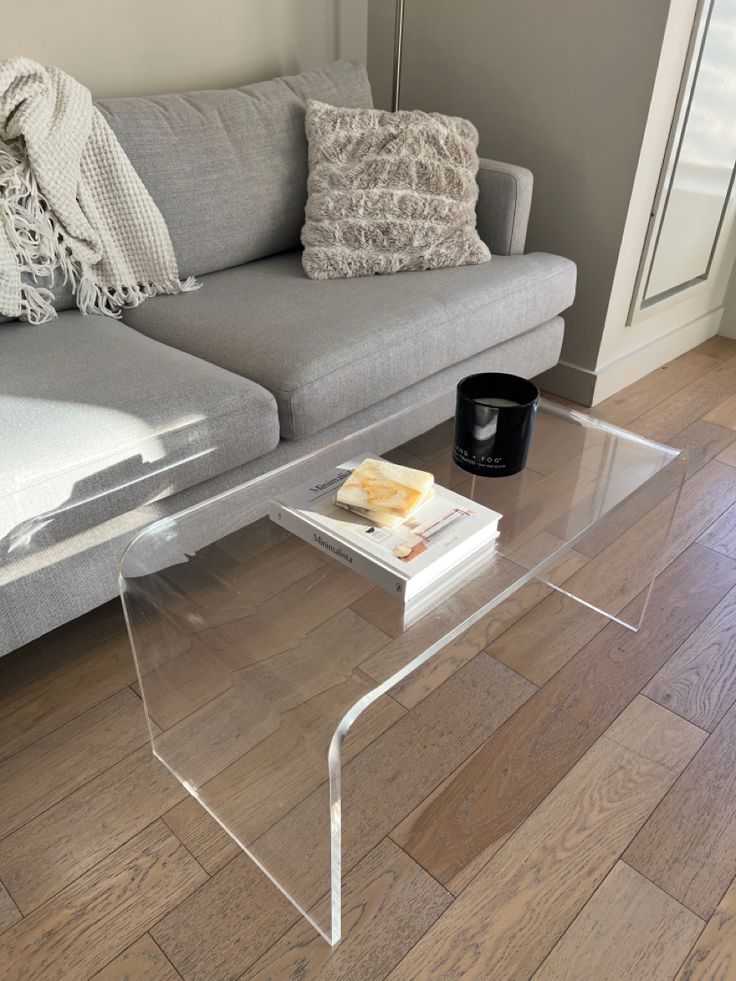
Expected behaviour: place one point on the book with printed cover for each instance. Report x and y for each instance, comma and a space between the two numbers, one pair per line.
443, 532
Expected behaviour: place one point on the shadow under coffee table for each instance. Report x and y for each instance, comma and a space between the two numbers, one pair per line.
262, 661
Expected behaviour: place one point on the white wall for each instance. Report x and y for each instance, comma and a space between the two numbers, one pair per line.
137, 47
561, 87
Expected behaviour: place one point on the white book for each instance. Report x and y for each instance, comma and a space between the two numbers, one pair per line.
445, 588
443, 532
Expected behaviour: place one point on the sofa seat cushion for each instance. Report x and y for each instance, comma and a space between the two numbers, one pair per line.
97, 420
327, 349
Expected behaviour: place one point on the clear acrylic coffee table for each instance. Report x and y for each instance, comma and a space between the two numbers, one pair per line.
266, 666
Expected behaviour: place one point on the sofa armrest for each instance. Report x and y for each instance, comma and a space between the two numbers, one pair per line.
503, 206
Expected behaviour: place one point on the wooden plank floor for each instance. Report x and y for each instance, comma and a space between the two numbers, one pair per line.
582, 826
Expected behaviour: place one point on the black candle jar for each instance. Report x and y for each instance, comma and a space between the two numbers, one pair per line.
494, 419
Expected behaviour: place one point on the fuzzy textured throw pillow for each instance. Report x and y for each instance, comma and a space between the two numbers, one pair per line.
389, 191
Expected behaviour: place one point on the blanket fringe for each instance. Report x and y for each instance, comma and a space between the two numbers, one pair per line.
32, 233
39, 245
37, 303
111, 300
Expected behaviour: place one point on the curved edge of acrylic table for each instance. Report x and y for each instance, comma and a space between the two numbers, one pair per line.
161, 546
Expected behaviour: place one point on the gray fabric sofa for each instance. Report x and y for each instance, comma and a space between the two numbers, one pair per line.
108, 425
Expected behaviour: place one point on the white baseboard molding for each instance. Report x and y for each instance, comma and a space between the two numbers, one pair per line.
571, 381
626, 370
587, 387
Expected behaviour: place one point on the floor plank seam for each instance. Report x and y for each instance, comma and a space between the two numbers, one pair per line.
265, 952
649, 879
7, 661
651, 818
105, 858
535, 684
696, 540
184, 845
720, 900
186, 848
607, 620
528, 613
214, 698
666, 708
418, 939
387, 730
76, 789
369, 680
574, 763
687, 636
66, 722
686, 427
579, 912
698, 377
457, 769
268, 736
643, 756
126, 949
378, 844
153, 926
15, 906
705, 544
521, 824
694, 944
599, 411
631, 424
416, 861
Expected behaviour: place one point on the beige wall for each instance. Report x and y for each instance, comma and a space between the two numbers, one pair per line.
137, 47
561, 87
728, 325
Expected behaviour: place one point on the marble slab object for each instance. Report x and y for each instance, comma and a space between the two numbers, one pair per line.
377, 485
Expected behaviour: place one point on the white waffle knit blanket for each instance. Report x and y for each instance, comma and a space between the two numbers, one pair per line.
71, 201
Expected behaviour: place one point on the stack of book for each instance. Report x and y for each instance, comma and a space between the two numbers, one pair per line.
392, 524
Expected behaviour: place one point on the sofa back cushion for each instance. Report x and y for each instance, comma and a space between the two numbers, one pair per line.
228, 167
